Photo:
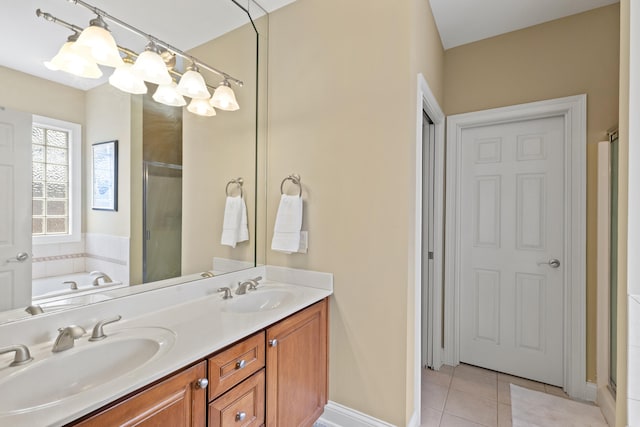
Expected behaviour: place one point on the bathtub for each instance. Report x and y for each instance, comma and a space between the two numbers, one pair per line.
49, 287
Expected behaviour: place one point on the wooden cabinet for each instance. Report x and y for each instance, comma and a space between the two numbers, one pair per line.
297, 368
242, 406
233, 365
176, 401
277, 376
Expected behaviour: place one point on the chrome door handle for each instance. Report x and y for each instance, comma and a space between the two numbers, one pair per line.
20, 257
553, 263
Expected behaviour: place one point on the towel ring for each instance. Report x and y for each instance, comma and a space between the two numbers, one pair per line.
238, 182
295, 178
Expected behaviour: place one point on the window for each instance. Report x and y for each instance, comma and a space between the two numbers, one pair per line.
56, 180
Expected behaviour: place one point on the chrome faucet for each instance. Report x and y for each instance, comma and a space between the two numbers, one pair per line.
66, 337
73, 285
34, 309
22, 354
98, 333
249, 285
227, 292
206, 274
100, 275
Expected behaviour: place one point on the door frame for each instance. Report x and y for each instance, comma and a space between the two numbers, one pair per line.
573, 110
427, 102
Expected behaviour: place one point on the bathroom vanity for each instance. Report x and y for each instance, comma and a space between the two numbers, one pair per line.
230, 384
181, 356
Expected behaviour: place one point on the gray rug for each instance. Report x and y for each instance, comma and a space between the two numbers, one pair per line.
533, 408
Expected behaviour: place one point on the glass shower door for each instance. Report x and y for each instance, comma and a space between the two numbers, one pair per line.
162, 217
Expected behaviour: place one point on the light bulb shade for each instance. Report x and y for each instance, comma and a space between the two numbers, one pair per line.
192, 85
150, 67
127, 81
71, 60
224, 98
101, 46
201, 107
168, 95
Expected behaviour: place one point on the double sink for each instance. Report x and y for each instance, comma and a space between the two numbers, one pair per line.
55, 378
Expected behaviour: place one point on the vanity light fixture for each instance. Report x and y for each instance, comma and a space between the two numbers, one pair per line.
201, 107
192, 84
72, 60
168, 95
150, 66
100, 43
224, 98
95, 45
126, 80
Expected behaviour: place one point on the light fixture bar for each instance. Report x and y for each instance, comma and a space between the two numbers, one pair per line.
155, 40
49, 17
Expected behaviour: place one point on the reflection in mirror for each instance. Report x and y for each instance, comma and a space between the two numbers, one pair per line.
173, 167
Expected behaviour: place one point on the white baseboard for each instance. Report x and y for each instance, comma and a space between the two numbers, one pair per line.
414, 421
607, 405
591, 391
337, 415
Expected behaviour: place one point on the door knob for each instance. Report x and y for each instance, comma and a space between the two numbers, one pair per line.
553, 263
20, 257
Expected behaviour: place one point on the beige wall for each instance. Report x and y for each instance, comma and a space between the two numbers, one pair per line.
342, 99
34, 95
108, 118
216, 150
623, 199
570, 56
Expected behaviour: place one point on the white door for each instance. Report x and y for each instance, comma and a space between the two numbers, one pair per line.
511, 294
428, 246
15, 209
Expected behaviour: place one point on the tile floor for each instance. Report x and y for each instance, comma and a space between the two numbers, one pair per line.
467, 396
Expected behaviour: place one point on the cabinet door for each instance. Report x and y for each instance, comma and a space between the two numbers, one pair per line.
242, 406
297, 368
176, 402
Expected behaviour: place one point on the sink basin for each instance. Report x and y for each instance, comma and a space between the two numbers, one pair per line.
256, 301
54, 377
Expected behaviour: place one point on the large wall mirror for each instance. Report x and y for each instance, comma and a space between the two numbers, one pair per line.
185, 203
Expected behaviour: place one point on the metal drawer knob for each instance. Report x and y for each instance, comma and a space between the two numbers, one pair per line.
240, 416
241, 364
202, 383
273, 342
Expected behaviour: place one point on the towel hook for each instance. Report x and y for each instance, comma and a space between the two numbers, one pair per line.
239, 182
295, 178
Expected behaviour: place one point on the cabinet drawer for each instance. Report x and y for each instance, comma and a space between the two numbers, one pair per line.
242, 406
233, 365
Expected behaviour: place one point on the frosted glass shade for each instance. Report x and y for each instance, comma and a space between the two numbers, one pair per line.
101, 46
126, 80
201, 107
71, 60
150, 67
224, 98
192, 85
168, 95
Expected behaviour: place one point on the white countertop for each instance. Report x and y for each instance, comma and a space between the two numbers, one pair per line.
194, 312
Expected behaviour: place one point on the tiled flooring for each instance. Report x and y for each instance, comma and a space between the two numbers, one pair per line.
467, 396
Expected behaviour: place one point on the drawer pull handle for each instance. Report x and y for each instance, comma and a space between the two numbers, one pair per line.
202, 383
241, 364
273, 342
240, 416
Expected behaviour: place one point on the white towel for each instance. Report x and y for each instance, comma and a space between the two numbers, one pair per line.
286, 233
234, 227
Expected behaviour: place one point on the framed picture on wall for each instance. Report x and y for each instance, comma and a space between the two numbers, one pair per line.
105, 176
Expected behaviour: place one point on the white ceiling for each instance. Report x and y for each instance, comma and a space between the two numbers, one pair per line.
27, 40
464, 21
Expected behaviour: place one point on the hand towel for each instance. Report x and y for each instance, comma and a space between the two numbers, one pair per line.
286, 233
243, 234
232, 221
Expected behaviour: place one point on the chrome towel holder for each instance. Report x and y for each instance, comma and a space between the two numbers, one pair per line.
295, 178
238, 182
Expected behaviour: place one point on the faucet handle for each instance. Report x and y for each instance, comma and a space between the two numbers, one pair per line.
98, 333
227, 292
22, 354
74, 331
255, 282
